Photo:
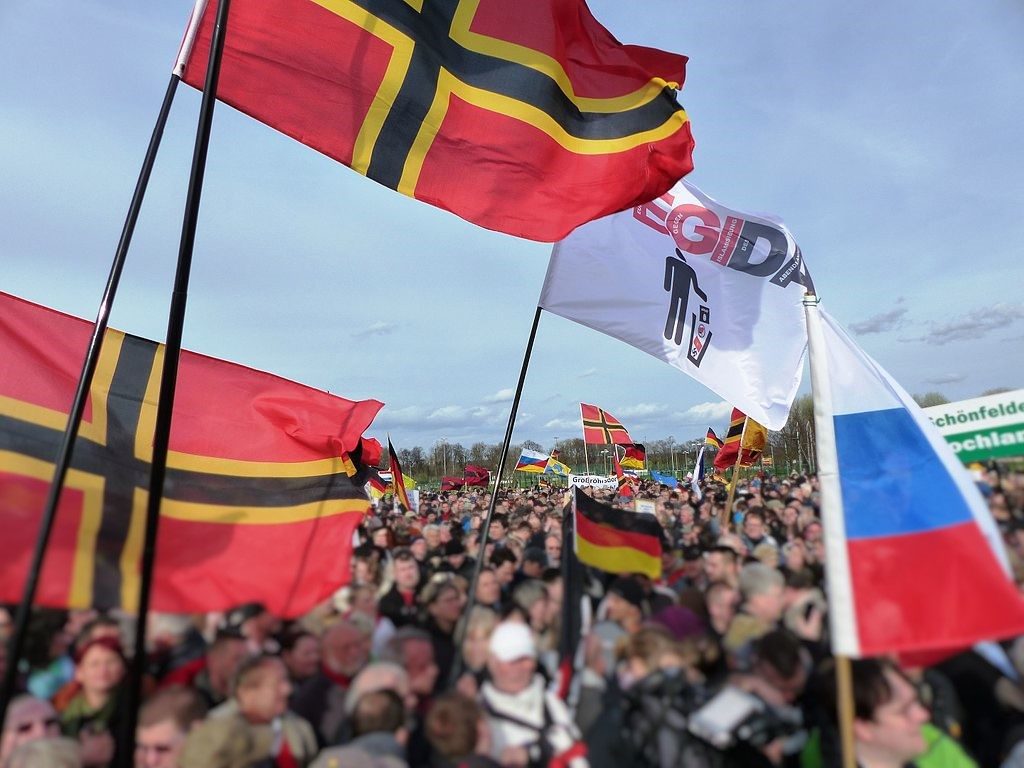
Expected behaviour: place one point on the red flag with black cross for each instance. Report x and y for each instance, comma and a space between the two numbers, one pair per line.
526, 118
264, 485
601, 428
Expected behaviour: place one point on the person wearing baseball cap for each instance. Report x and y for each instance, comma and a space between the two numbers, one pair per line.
529, 725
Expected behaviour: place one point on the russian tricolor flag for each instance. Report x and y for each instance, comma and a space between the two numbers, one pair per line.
915, 562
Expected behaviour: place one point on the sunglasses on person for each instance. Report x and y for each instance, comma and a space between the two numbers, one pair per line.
160, 749
28, 725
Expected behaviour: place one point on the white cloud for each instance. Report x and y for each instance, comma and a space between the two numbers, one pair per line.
973, 325
704, 412
586, 374
880, 323
947, 378
641, 411
564, 424
376, 329
443, 417
501, 396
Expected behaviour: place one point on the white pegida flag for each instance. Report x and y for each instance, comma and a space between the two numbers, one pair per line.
713, 292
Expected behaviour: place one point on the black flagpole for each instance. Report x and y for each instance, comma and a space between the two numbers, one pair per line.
63, 460
460, 632
168, 379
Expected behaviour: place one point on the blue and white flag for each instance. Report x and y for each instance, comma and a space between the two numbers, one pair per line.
915, 561
698, 474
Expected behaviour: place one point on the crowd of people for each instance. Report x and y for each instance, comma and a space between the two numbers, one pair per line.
722, 661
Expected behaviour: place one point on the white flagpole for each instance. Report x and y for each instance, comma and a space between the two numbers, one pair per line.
189, 40
586, 456
842, 619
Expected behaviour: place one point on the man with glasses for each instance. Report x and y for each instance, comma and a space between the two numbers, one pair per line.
164, 722
28, 718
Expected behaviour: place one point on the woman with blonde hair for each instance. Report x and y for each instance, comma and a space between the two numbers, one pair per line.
480, 625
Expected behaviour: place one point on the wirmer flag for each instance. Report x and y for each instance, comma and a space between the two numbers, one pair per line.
601, 428
526, 118
708, 290
263, 488
745, 439
397, 478
616, 540
915, 561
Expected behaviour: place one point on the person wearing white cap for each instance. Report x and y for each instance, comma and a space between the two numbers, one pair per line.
529, 726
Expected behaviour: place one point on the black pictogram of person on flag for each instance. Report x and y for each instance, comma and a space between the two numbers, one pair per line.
679, 278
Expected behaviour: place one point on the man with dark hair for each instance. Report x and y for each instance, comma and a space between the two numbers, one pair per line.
458, 560
212, 674
755, 531
722, 564
496, 532
533, 565
626, 604
164, 722
378, 730
782, 664
888, 716
399, 603
504, 563
457, 732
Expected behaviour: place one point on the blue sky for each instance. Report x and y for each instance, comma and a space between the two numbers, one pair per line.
887, 136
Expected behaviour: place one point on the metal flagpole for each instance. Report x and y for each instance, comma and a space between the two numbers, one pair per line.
586, 454
168, 380
63, 460
841, 613
485, 529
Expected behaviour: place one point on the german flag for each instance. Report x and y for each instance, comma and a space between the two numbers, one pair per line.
263, 488
601, 428
712, 439
398, 479
753, 436
377, 486
616, 540
635, 456
528, 118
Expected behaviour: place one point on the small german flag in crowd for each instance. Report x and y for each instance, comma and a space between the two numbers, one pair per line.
616, 540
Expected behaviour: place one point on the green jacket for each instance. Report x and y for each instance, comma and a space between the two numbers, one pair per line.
77, 717
943, 752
